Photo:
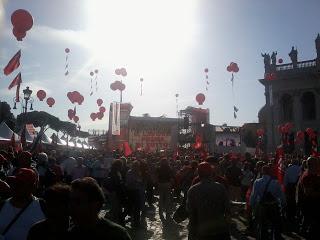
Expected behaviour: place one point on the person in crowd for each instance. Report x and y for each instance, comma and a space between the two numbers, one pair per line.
246, 181
86, 201
99, 170
308, 198
115, 187
290, 181
56, 224
134, 186
68, 166
233, 176
56, 169
165, 181
22, 210
208, 207
267, 190
80, 171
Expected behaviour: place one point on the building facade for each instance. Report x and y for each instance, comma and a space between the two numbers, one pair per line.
292, 93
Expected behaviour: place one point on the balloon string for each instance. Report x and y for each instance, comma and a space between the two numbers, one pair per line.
140, 89
66, 66
96, 83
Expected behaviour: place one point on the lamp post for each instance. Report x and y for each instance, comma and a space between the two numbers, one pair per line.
27, 96
26, 99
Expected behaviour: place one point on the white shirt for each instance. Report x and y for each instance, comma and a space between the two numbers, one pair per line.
19, 230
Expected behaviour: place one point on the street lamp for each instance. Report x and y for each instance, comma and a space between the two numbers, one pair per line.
27, 95
26, 99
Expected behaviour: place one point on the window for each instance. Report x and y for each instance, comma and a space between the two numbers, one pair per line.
287, 107
308, 102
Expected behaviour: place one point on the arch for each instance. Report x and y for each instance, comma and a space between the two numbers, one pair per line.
286, 103
308, 102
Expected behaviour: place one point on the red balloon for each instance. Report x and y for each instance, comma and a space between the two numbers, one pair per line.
113, 86
80, 99
18, 33
123, 72
99, 102
200, 98
288, 126
260, 132
75, 119
300, 135
122, 87
96, 71
234, 67
70, 114
279, 128
206, 70
99, 115
50, 101
41, 94
69, 95
309, 131
229, 69
91, 73
102, 109
67, 50
93, 116
117, 71
22, 19
284, 129
280, 60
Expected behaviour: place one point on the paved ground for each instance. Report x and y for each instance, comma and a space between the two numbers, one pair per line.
154, 229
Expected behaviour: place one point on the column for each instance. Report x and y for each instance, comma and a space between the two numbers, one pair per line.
297, 110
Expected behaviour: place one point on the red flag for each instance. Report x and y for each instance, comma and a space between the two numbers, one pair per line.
16, 81
13, 64
198, 143
127, 149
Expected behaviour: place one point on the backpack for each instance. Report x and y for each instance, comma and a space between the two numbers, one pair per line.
268, 208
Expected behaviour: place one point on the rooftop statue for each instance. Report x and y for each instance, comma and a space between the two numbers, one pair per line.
266, 59
294, 56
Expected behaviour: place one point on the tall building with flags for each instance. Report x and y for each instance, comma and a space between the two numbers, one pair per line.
292, 92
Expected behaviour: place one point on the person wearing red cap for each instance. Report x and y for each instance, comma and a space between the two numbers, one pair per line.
208, 207
20, 212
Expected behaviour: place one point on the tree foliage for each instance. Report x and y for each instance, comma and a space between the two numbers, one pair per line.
45, 120
6, 115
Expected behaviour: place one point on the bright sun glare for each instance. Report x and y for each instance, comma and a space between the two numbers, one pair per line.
140, 32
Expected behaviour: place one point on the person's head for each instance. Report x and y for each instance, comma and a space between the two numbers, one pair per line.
266, 170
23, 183
86, 200
205, 170
313, 164
57, 202
79, 161
116, 165
135, 166
194, 165
51, 161
164, 162
295, 161
42, 158
24, 159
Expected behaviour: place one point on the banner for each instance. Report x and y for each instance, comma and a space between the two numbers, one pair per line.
115, 126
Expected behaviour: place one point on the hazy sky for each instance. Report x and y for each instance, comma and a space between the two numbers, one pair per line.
168, 43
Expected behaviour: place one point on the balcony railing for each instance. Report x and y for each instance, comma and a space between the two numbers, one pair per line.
303, 64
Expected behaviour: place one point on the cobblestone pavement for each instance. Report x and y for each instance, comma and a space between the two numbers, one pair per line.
155, 230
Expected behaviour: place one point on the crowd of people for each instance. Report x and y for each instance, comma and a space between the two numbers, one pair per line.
60, 194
